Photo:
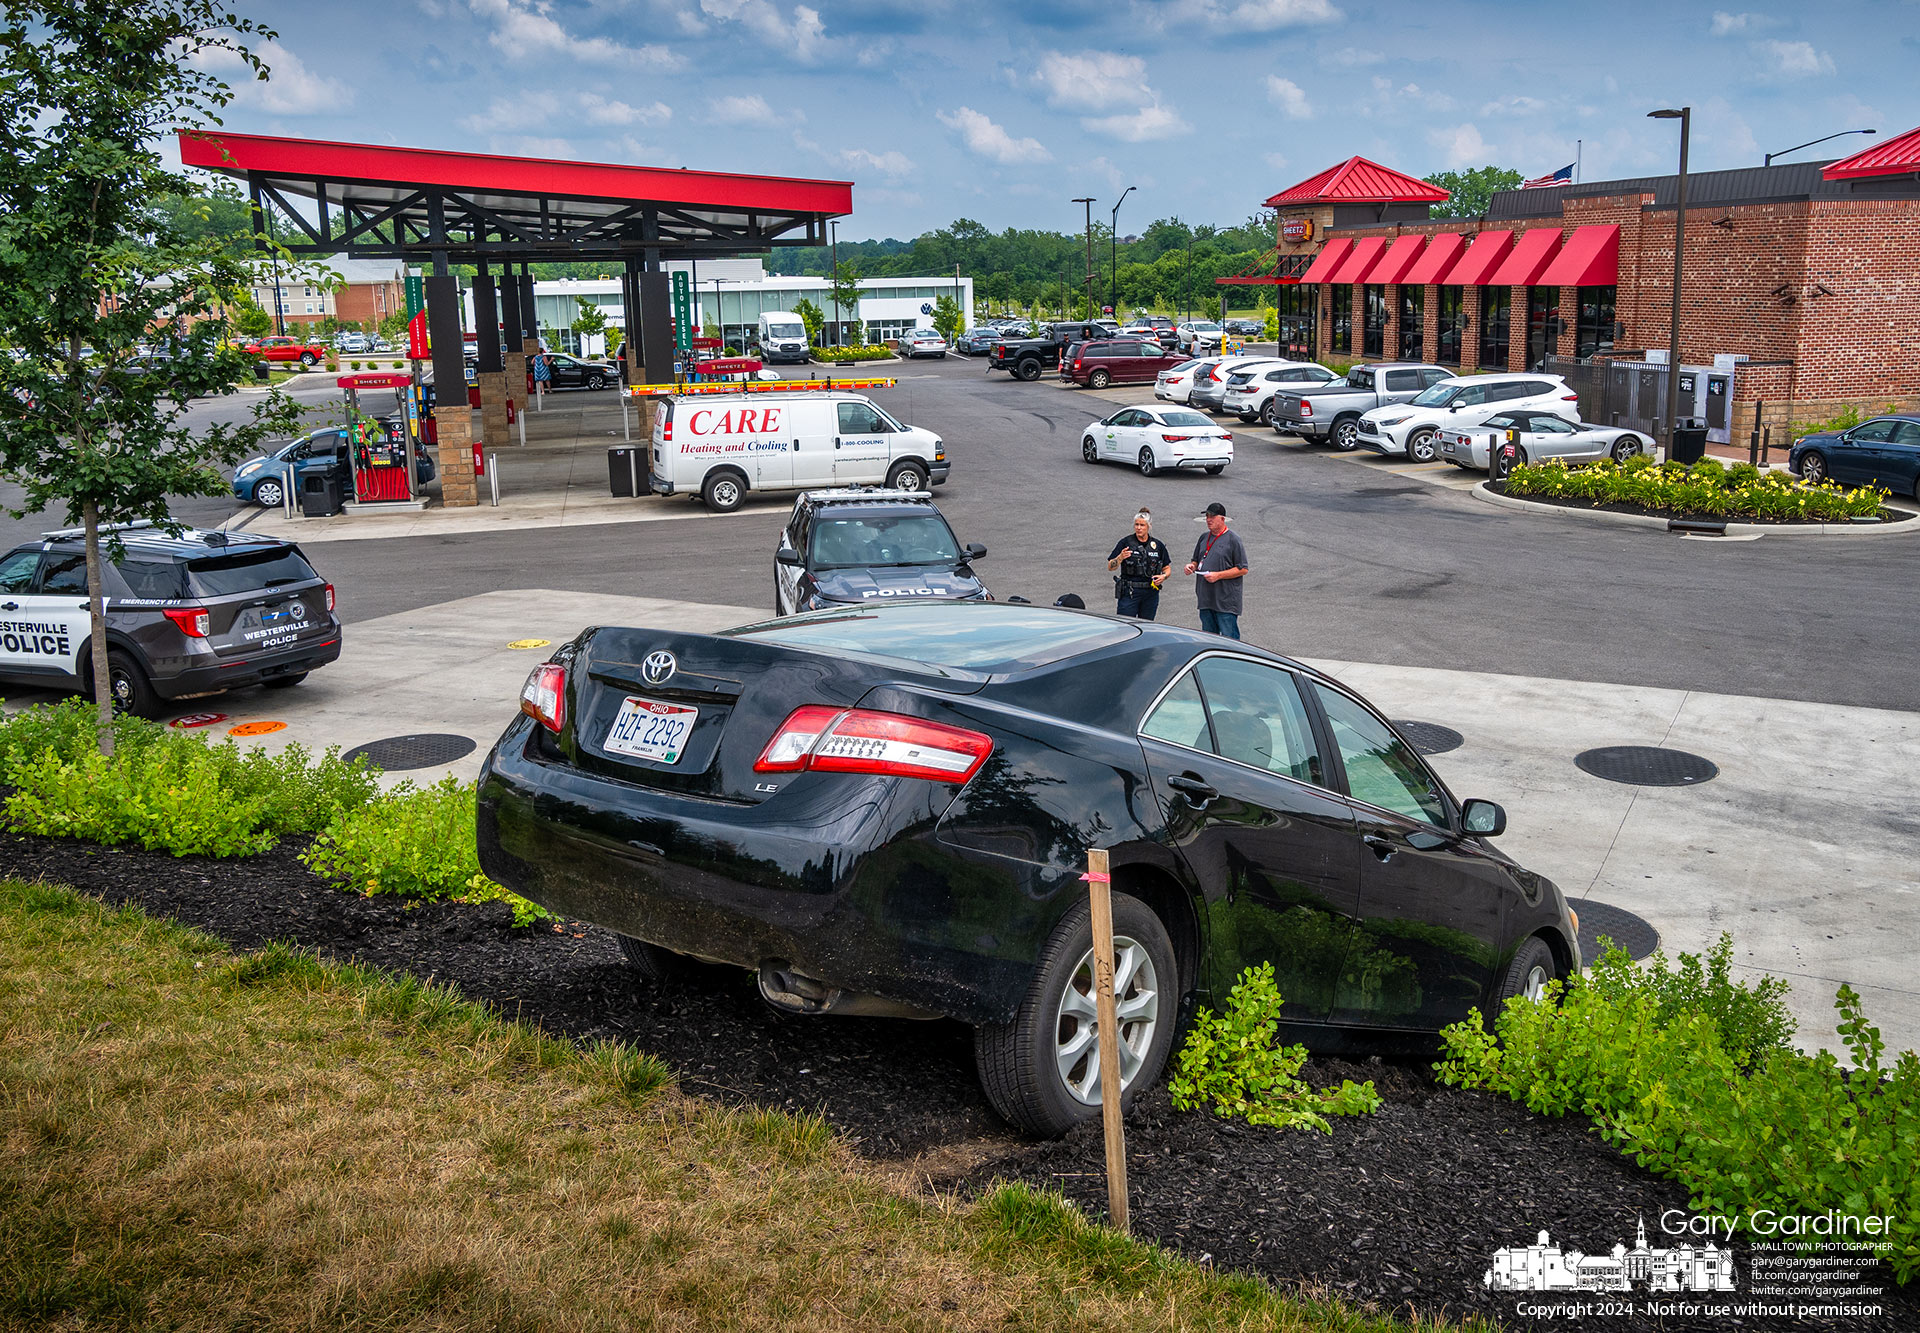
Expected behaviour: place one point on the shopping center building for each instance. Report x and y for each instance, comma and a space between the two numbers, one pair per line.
1800, 283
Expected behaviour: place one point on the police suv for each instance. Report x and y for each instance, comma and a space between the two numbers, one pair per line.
865, 546
185, 616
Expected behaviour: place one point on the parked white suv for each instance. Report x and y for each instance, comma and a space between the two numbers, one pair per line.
1250, 389
1465, 400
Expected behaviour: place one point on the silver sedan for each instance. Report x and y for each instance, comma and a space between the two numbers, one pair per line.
1542, 436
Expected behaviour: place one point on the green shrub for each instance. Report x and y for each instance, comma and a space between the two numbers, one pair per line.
1708, 487
1648, 1062
840, 355
1752, 1021
414, 842
1230, 1062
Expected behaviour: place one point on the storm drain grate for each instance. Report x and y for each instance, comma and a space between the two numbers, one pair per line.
1429, 737
402, 752
1647, 766
1625, 929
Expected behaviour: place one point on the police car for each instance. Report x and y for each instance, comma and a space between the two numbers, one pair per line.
864, 545
186, 616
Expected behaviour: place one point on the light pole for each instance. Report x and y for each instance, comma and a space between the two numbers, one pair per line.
1113, 252
1810, 143
1089, 280
833, 234
1685, 116
1189, 283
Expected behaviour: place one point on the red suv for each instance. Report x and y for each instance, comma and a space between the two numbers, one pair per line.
1116, 361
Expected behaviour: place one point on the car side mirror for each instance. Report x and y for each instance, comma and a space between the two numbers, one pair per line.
975, 550
786, 555
1484, 818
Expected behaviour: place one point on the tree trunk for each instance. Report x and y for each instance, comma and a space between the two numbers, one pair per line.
97, 628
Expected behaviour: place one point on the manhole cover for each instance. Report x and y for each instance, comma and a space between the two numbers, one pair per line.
1622, 927
1647, 766
401, 752
1429, 737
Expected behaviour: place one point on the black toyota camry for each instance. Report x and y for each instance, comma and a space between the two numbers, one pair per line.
886, 810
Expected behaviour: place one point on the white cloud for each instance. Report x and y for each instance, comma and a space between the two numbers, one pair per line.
1142, 126
1278, 161
1266, 15
1289, 96
801, 37
890, 163
1514, 106
605, 111
987, 139
1462, 145
511, 113
1107, 169
1354, 57
525, 27
751, 109
291, 89
530, 145
1094, 80
1728, 25
1796, 60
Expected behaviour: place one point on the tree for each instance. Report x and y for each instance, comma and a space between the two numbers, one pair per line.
845, 291
812, 317
949, 321
393, 327
590, 321
93, 256
248, 318
1472, 190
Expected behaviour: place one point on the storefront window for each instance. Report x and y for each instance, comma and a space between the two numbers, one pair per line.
1374, 331
1593, 333
1496, 309
1342, 318
1413, 322
1453, 318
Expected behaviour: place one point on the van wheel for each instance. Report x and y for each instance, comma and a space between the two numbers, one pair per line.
1099, 379
907, 477
723, 492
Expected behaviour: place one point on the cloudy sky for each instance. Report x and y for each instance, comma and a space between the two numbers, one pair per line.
939, 109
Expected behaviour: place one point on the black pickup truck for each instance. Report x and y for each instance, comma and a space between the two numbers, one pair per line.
1027, 357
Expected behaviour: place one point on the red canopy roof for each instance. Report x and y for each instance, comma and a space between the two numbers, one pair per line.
1324, 263
1441, 254
1531, 254
1591, 258
1358, 181
1365, 254
1895, 157
1481, 258
1399, 257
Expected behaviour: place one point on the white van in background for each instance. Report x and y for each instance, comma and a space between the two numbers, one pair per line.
783, 337
722, 447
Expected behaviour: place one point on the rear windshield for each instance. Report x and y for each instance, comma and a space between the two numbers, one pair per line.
248, 571
1185, 419
154, 580
986, 638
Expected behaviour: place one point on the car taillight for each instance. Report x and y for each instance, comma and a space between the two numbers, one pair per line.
194, 622
1175, 439
1226, 437
1306, 408
330, 597
666, 428
864, 740
544, 697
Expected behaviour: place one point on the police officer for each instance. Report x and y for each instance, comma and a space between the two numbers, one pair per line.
1142, 561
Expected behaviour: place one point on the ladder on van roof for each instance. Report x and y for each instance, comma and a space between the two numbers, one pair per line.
757, 386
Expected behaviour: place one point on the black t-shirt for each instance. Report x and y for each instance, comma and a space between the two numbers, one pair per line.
1144, 560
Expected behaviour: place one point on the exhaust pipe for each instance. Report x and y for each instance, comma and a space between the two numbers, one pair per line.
796, 993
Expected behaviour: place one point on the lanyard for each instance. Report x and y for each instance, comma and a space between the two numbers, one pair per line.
1207, 550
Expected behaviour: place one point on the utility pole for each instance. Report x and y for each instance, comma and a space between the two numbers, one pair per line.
1089, 203
833, 235
1113, 252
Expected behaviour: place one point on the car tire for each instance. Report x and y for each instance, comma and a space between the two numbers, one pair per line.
1266, 413
269, 495
306, 360
1625, 447
1099, 379
1346, 435
1216, 469
1813, 467
1533, 966
1089, 451
127, 682
907, 477
1027, 370
723, 492
1497, 465
285, 682
1147, 466
653, 965
1420, 447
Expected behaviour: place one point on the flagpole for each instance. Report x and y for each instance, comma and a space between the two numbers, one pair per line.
1576, 161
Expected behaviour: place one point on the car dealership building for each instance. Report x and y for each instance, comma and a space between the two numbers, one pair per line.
1800, 283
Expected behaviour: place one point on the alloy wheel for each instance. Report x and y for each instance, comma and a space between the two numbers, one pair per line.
1089, 450
268, 495
1346, 436
1136, 994
1813, 468
1420, 446
1537, 978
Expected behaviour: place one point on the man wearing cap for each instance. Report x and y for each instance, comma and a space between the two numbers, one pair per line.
1220, 562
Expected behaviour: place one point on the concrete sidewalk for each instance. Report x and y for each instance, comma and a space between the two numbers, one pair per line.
1801, 847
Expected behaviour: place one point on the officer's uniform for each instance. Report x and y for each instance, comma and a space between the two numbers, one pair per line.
1133, 585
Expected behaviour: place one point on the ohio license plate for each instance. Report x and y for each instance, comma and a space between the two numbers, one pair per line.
649, 729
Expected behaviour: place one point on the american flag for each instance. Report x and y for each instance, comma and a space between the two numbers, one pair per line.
1564, 176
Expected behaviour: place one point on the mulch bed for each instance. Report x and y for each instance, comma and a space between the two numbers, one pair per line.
1401, 1210
1887, 516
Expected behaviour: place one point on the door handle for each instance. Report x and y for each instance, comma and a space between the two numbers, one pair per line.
9, 606
836, 441
1382, 847
1197, 792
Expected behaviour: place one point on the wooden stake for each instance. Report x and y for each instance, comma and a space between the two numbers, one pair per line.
1099, 892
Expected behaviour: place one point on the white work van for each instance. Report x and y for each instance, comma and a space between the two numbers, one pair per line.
783, 337
720, 447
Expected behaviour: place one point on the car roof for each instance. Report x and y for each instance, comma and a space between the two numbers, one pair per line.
189, 544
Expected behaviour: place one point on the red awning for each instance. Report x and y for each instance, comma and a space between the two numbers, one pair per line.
1400, 257
1481, 259
1531, 254
1591, 258
1895, 157
1365, 254
1442, 253
1324, 263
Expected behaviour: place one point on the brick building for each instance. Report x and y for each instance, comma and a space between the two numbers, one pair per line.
1804, 277
353, 291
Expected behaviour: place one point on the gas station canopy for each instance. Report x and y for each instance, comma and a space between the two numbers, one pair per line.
414, 203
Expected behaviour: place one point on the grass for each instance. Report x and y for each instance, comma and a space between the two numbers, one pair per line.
194, 1140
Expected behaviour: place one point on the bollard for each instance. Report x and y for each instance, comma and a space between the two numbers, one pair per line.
286, 493
493, 477
626, 421
520, 421
1753, 444
1100, 901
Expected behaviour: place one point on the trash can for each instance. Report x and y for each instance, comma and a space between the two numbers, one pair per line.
322, 493
626, 470
1689, 441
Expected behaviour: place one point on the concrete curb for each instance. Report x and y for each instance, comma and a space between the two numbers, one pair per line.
1482, 492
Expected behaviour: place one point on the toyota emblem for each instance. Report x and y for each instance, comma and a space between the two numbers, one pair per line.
297, 611
657, 667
